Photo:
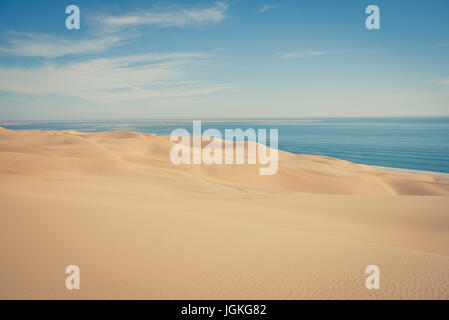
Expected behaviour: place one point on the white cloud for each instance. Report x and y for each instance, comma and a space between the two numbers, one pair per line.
105, 80
265, 8
44, 45
113, 79
178, 17
445, 81
105, 27
303, 54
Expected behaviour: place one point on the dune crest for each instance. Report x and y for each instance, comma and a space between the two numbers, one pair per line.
141, 227
133, 152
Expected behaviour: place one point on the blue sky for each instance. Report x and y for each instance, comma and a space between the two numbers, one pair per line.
228, 59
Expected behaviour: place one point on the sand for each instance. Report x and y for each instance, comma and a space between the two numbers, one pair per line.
140, 227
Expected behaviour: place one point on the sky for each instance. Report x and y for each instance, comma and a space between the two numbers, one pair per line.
139, 59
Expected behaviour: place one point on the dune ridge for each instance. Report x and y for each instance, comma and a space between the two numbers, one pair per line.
140, 227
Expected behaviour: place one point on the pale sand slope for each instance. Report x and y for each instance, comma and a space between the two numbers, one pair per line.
140, 227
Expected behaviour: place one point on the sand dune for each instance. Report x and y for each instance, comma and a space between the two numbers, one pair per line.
140, 227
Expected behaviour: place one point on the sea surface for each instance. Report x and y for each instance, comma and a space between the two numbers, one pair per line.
406, 143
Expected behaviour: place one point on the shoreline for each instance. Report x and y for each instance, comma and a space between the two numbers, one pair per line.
87, 131
17, 123
406, 170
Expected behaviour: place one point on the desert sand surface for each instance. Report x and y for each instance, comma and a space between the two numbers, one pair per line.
140, 227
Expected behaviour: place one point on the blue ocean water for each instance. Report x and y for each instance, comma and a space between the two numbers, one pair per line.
407, 143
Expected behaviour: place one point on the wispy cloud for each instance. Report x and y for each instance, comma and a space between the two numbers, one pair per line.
177, 17
265, 8
113, 79
47, 46
303, 54
445, 81
107, 32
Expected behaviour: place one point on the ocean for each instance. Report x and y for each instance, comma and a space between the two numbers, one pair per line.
405, 143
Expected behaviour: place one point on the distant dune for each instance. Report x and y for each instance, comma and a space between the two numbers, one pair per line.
140, 227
